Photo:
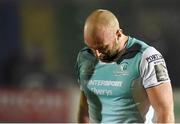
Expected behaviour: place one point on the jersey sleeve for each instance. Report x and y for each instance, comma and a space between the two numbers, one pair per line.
77, 69
153, 68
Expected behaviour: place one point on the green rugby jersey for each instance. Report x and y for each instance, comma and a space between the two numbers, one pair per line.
115, 91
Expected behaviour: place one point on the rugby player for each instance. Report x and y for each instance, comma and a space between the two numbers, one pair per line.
121, 77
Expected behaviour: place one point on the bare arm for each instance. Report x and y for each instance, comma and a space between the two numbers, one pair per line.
83, 109
161, 99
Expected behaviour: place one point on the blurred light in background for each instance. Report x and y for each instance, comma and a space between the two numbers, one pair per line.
39, 41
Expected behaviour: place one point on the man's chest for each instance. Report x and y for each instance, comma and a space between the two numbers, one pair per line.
108, 79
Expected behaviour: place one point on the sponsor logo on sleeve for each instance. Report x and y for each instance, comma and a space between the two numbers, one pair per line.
161, 72
154, 57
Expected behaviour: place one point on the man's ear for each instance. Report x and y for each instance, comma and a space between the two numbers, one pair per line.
118, 33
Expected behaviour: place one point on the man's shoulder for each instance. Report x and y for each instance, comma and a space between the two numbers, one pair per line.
85, 53
146, 48
152, 53
84, 49
143, 45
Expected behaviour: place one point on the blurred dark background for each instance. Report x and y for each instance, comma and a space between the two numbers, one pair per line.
40, 39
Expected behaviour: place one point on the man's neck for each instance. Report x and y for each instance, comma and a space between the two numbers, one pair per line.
122, 42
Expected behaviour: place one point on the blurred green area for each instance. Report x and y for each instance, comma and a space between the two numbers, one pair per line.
40, 39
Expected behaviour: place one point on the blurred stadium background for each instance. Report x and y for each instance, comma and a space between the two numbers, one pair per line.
39, 41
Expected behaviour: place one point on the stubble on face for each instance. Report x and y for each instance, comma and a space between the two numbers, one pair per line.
110, 53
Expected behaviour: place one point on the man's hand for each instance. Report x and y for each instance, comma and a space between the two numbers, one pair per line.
83, 109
